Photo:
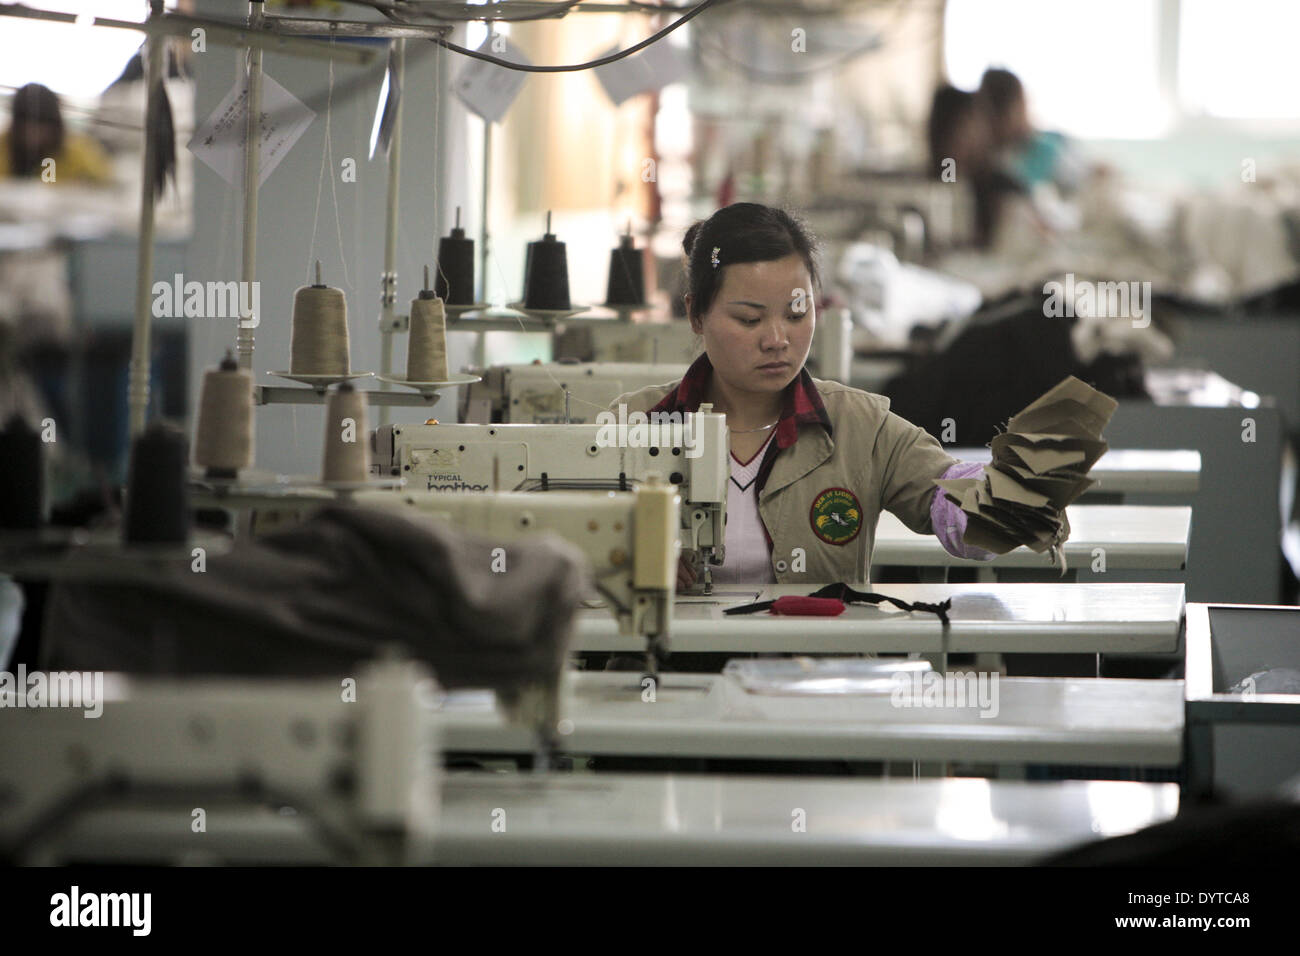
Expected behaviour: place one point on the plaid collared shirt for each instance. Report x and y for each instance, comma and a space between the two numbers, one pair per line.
802, 406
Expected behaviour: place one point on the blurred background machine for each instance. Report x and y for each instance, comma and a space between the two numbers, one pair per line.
557, 392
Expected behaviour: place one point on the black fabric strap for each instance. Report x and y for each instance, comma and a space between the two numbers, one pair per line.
849, 596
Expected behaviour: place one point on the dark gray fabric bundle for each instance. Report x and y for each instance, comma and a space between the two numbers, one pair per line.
318, 598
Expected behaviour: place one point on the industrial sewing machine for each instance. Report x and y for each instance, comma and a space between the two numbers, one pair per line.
557, 392
245, 771
630, 542
614, 455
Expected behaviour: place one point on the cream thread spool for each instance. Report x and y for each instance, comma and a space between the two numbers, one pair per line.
318, 338
223, 437
347, 439
426, 346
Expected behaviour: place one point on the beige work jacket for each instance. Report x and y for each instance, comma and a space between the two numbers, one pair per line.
823, 497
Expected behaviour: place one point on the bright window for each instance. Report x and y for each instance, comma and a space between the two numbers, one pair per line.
74, 61
1090, 67
1238, 60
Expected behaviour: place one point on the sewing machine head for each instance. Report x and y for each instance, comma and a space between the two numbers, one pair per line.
629, 540
617, 453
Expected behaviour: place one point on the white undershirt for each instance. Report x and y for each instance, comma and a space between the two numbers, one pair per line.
748, 558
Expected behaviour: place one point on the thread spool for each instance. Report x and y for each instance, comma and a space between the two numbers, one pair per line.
347, 446
626, 284
21, 476
546, 274
454, 283
157, 493
318, 339
426, 346
223, 436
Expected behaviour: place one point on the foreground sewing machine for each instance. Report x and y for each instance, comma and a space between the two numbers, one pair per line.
629, 540
615, 455
219, 770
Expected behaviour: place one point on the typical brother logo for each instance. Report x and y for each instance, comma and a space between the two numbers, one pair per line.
836, 516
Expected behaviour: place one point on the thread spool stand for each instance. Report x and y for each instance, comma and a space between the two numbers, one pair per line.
428, 389
156, 529
317, 385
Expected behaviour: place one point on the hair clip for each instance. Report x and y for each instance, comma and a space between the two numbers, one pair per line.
714, 257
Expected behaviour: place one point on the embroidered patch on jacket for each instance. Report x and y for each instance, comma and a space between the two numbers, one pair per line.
836, 516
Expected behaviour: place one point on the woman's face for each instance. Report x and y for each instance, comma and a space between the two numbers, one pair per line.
758, 331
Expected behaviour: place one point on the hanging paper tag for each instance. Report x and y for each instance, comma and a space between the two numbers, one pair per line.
488, 89
219, 141
653, 68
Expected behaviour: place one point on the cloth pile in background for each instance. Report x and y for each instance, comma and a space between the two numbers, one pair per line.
1040, 465
318, 598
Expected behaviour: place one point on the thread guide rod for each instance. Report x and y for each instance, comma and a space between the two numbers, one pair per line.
252, 179
141, 365
388, 319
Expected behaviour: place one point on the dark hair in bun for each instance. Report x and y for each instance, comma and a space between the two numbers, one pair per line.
742, 232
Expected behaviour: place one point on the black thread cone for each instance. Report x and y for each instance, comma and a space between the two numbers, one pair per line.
157, 494
21, 476
546, 275
626, 275
455, 269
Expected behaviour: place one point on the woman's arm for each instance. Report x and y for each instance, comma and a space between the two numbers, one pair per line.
912, 459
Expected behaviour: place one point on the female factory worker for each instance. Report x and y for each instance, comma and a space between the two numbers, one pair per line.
813, 463
37, 135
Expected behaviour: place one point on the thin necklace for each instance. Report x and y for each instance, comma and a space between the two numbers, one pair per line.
745, 431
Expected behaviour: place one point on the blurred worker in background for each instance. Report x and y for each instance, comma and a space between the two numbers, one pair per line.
961, 143
37, 145
1031, 157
